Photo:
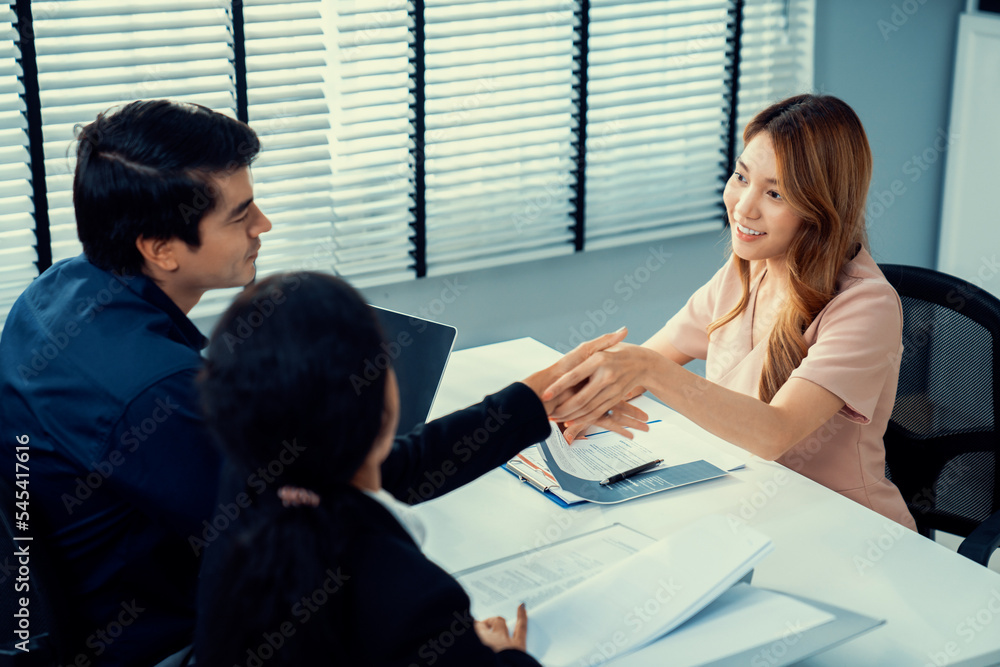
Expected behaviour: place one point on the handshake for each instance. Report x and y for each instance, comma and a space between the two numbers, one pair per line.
591, 386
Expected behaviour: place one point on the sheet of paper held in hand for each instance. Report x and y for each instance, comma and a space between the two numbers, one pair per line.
612, 591
681, 573
532, 577
579, 467
606, 579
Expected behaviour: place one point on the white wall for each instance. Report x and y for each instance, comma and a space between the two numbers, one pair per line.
893, 61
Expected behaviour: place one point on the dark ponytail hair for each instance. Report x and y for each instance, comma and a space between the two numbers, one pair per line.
285, 390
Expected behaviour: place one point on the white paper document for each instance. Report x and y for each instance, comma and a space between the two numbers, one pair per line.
578, 468
741, 619
606, 453
644, 596
532, 577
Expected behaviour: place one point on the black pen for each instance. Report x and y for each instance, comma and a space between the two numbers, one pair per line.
629, 473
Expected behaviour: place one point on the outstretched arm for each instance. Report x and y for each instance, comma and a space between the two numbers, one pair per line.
446, 453
765, 429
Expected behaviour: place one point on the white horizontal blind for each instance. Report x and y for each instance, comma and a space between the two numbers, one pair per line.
331, 94
17, 239
658, 106
287, 108
500, 128
95, 54
777, 55
371, 69
286, 60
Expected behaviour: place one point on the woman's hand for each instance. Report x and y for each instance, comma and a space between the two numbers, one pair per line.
603, 380
619, 419
493, 632
544, 378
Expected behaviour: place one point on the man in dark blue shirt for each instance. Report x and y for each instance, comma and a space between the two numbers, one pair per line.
97, 368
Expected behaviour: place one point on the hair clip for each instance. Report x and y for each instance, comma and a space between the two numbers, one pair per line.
294, 496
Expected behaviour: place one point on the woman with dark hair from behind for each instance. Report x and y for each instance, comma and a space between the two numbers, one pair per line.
324, 566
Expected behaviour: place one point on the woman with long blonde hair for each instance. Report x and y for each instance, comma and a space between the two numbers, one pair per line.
801, 333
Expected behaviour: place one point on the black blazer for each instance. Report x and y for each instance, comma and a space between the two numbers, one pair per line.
404, 609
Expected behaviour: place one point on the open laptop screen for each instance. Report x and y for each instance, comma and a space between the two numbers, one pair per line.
419, 351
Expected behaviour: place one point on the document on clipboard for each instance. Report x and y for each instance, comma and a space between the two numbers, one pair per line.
529, 466
571, 474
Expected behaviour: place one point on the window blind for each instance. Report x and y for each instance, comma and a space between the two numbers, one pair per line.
95, 54
657, 99
372, 69
777, 59
658, 90
17, 240
500, 126
287, 107
427, 136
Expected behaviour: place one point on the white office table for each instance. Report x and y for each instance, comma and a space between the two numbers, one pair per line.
941, 608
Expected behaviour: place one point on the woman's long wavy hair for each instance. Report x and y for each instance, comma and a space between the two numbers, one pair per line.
824, 167
286, 391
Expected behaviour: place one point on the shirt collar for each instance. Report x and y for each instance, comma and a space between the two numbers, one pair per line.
145, 288
402, 512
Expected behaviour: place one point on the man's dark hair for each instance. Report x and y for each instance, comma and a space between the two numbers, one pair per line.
144, 170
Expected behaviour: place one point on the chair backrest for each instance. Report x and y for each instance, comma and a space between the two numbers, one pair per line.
30, 580
942, 443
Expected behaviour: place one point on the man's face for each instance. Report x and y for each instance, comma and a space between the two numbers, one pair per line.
229, 237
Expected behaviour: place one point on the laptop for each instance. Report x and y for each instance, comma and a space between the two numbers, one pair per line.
419, 350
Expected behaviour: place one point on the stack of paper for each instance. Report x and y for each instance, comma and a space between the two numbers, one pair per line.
644, 596
615, 592
535, 576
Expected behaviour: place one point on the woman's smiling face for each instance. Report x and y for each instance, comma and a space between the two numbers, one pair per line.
763, 224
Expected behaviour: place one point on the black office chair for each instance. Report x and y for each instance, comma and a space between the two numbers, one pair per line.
45, 626
943, 440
